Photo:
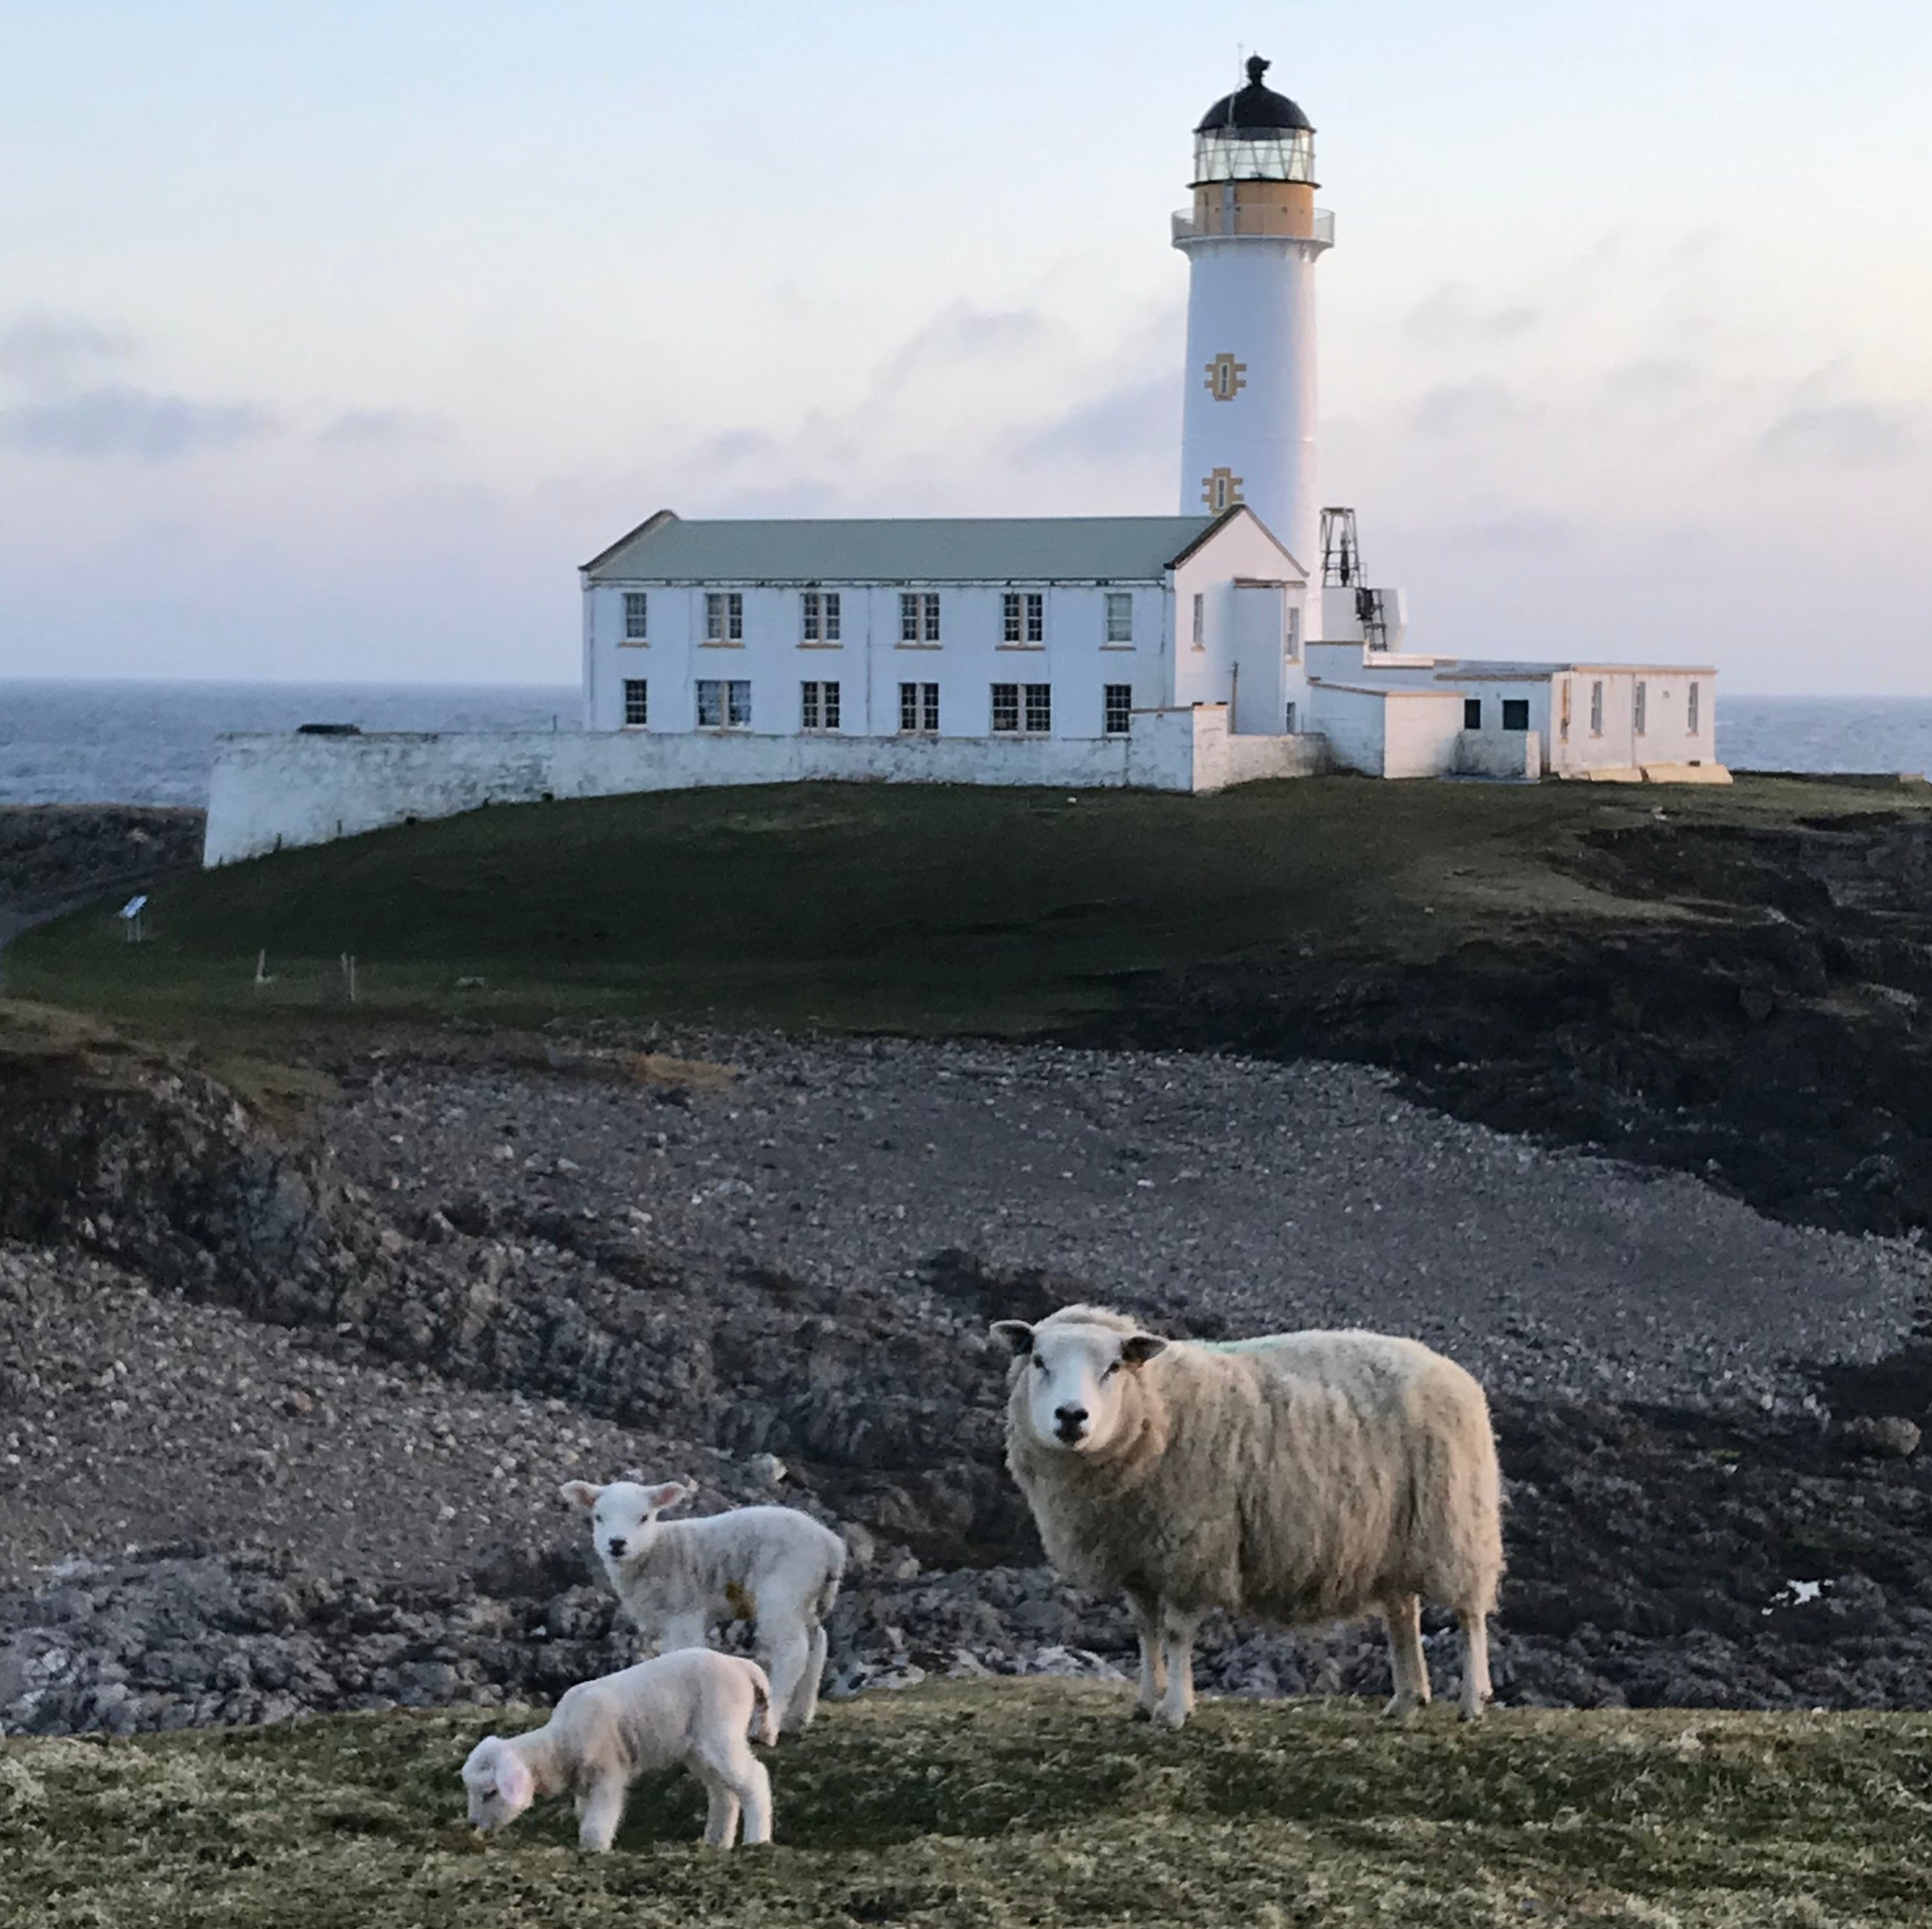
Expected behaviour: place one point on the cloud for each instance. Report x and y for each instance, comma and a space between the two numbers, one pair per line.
381, 428
43, 350
961, 332
121, 421
1450, 319
1843, 435
1464, 408
1130, 421
1522, 529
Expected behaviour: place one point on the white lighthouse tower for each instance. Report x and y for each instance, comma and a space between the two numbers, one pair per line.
1252, 240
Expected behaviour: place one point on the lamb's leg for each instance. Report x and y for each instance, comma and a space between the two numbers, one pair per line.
753, 1788
1406, 1662
599, 1809
1177, 1633
785, 1652
721, 1813
805, 1697
1153, 1668
1475, 1688
681, 1630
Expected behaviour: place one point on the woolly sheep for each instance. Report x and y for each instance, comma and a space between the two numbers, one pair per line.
773, 1567
1304, 1477
691, 1709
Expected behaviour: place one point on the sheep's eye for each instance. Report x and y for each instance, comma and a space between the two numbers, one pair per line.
1039, 1364
1112, 1368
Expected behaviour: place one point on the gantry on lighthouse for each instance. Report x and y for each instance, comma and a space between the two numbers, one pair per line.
1240, 638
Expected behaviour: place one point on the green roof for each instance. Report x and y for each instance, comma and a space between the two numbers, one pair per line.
1001, 549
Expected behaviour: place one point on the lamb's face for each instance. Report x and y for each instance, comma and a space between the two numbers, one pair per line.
623, 1515
497, 1783
1075, 1378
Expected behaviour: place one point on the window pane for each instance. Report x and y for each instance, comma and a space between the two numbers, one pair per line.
637, 613
1199, 617
831, 617
1039, 706
1009, 617
808, 616
636, 702
738, 699
710, 696
909, 619
909, 706
1515, 712
1006, 705
931, 718
1036, 619
1119, 618
831, 706
1119, 709
736, 605
714, 617
1471, 712
932, 616
808, 706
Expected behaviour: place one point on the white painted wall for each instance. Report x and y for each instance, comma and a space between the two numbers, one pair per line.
1241, 549
273, 792
1252, 296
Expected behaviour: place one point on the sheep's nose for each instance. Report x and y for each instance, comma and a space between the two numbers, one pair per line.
1069, 1422
618, 1545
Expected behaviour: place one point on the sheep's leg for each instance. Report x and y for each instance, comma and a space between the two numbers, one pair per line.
682, 1631
721, 1813
1177, 1633
1475, 1688
785, 1653
804, 1703
753, 1788
599, 1809
1153, 1668
1402, 1613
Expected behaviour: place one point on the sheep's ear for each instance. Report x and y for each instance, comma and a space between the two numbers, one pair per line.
1137, 1349
1017, 1335
581, 1494
672, 1494
512, 1780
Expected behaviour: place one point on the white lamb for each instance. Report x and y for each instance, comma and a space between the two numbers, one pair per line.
773, 1567
693, 1708
1304, 1477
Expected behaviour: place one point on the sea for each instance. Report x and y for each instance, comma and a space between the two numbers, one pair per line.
152, 742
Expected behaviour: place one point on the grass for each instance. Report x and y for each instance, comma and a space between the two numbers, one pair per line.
994, 1804
924, 911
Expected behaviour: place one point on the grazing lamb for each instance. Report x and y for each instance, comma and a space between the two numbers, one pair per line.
1307, 1477
692, 1708
773, 1567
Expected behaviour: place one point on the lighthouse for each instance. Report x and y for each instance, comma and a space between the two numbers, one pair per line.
1251, 239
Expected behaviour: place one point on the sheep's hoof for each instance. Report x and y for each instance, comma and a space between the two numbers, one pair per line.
1465, 1712
1402, 1708
1170, 1720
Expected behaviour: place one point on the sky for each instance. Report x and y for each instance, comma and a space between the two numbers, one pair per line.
333, 337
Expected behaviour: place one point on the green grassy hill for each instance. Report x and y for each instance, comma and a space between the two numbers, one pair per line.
993, 1804
909, 909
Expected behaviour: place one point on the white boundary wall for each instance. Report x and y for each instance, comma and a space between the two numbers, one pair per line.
270, 793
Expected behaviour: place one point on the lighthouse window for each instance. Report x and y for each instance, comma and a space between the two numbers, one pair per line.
1025, 616
1119, 616
724, 617
818, 706
636, 616
637, 703
1596, 710
1118, 709
818, 615
919, 616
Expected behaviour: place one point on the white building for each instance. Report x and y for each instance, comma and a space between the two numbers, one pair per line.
1251, 602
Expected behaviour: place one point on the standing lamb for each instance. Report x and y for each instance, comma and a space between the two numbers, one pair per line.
1304, 1477
773, 1567
692, 1708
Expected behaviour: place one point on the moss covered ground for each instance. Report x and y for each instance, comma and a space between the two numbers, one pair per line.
920, 909
989, 1804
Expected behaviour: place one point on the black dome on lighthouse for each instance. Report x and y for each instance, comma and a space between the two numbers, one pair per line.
1254, 106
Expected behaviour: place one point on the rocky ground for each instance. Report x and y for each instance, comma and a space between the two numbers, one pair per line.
56, 856
283, 1418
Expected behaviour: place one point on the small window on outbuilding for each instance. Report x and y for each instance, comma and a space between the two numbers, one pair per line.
1515, 712
1471, 712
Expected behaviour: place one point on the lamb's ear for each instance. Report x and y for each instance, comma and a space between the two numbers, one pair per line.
513, 1779
581, 1494
673, 1493
1137, 1349
1017, 1335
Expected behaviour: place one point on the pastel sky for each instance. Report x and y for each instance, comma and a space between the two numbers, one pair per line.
333, 336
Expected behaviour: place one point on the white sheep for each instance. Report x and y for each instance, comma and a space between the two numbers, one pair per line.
773, 1567
692, 1709
1305, 1477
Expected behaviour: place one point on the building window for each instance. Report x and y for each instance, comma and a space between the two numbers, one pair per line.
919, 707
818, 615
1119, 616
1006, 705
1291, 648
1639, 703
1200, 620
1290, 725
1039, 707
1596, 710
637, 703
722, 705
919, 616
1025, 616
1691, 714
724, 617
1471, 712
636, 616
818, 706
1516, 713
1117, 709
